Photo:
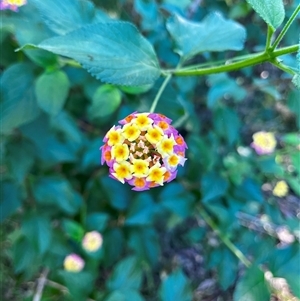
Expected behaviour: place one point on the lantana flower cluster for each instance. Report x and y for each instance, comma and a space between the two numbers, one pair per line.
143, 151
11, 4
264, 143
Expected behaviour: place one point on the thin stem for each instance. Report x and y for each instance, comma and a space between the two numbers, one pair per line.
269, 37
283, 67
258, 59
286, 27
225, 239
160, 91
40, 286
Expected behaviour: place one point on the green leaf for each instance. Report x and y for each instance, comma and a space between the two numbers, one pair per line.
19, 104
145, 243
115, 192
73, 229
176, 288
51, 90
113, 52
112, 254
176, 199
37, 230
293, 104
141, 211
64, 16
125, 295
57, 192
214, 33
106, 101
252, 286
23, 260
223, 86
272, 11
285, 263
97, 221
18, 162
126, 275
10, 199
227, 124
79, 284
296, 78
213, 186
227, 269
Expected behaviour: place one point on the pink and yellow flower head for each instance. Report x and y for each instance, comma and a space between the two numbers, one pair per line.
144, 151
73, 263
264, 143
11, 4
92, 241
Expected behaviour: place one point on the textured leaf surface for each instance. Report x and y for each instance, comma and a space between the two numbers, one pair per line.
112, 52
126, 275
51, 91
252, 287
105, 101
214, 33
64, 16
19, 105
272, 11
176, 288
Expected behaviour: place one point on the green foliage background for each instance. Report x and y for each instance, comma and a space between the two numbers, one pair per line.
157, 244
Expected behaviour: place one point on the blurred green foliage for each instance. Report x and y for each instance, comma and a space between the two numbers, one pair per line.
156, 245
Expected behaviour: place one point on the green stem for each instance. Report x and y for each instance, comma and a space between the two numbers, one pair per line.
286, 27
283, 67
160, 91
269, 37
225, 239
258, 59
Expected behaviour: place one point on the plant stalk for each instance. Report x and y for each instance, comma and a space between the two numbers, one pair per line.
258, 59
224, 239
286, 27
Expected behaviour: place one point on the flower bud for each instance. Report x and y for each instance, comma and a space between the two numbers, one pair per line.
73, 263
92, 241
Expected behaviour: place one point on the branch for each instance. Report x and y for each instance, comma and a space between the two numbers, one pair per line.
41, 284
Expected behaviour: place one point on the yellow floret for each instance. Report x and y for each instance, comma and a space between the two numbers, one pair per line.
165, 147
156, 174
120, 152
173, 160
122, 171
131, 131
140, 168
114, 136
154, 134
142, 121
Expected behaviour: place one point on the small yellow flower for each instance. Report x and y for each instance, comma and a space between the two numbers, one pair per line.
142, 121
140, 168
165, 147
264, 142
122, 171
131, 131
281, 189
114, 136
156, 174
154, 135
73, 263
120, 152
92, 241
173, 160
